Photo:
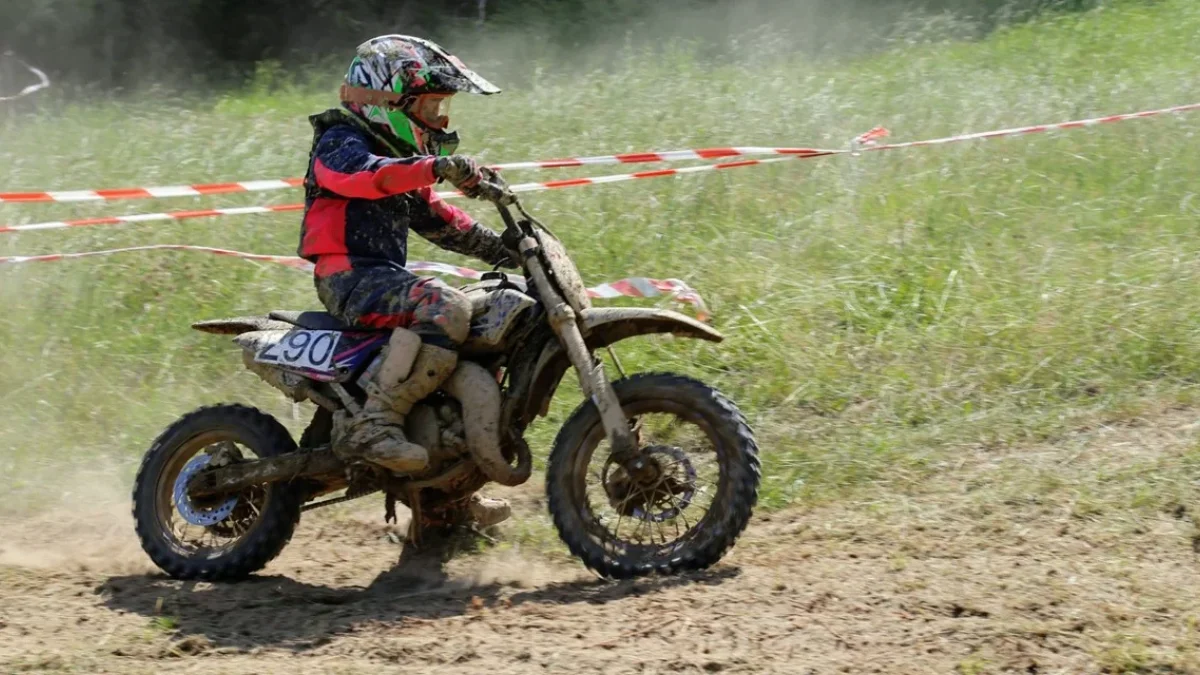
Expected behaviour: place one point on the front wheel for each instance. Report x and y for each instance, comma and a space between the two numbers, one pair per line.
704, 488
223, 538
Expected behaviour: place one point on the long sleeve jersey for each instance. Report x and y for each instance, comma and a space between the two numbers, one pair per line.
361, 201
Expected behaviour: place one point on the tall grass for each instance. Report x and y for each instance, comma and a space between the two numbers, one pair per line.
881, 311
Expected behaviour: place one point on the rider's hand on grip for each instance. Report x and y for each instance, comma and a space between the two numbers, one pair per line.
493, 188
460, 171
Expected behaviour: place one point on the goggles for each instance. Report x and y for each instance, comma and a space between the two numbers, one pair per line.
432, 110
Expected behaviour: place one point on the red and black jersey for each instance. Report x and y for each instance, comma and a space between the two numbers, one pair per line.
361, 200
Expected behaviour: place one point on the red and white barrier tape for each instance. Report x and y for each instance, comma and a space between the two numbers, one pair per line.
663, 156
626, 158
116, 194
202, 189
1036, 129
633, 287
864, 143
298, 263
520, 188
146, 217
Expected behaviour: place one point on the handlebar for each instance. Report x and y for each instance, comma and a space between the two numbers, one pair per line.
494, 189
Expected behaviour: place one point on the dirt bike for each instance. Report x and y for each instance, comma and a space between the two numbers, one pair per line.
669, 458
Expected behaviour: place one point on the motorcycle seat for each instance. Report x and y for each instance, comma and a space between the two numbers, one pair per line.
317, 321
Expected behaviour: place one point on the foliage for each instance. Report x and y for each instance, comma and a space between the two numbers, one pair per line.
109, 44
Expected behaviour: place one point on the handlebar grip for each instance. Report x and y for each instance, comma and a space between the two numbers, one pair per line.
496, 193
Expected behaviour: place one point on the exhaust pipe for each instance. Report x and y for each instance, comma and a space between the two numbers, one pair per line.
479, 393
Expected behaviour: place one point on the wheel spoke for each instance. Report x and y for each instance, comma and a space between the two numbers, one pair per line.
658, 525
689, 471
620, 519
647, 516
637, 531
678, 513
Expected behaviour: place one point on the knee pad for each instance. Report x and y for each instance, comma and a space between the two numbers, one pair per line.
442, 308
402, 350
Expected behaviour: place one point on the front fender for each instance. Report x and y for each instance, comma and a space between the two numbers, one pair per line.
602, 327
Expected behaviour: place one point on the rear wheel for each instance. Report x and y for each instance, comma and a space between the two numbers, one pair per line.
698, 502
228, 537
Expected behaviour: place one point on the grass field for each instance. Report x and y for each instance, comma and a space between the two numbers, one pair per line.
883, 312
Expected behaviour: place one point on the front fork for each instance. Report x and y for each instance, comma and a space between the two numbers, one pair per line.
592, 379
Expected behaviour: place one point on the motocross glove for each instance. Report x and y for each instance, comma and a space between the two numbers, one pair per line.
460, 171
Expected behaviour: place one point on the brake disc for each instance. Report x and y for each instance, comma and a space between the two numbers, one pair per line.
188, 509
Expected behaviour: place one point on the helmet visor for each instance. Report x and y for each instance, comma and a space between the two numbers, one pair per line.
432, 110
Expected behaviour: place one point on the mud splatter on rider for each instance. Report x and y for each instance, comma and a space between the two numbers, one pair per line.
370, 180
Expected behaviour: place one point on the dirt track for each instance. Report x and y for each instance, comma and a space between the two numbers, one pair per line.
987, 571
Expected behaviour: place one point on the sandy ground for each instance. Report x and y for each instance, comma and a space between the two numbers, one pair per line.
990, 568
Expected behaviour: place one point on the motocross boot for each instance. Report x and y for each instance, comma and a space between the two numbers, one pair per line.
408, 373
433, 366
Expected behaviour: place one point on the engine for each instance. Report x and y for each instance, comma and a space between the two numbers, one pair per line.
438, 427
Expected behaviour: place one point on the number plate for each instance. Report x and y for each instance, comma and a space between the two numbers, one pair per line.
308, 349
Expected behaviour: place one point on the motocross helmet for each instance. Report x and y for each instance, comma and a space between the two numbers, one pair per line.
402, 85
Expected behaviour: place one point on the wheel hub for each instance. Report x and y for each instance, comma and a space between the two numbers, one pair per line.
667, 492
191, 511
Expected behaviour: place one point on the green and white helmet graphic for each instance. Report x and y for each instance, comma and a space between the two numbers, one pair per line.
415, 78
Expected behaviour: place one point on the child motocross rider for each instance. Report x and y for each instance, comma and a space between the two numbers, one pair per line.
370, 181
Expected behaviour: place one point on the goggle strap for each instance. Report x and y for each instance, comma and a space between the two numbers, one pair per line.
447, 142
364, 96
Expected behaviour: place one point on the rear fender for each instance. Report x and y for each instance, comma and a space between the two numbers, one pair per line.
239, 325
603, 327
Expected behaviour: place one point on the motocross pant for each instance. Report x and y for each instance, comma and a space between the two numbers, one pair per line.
389, 296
